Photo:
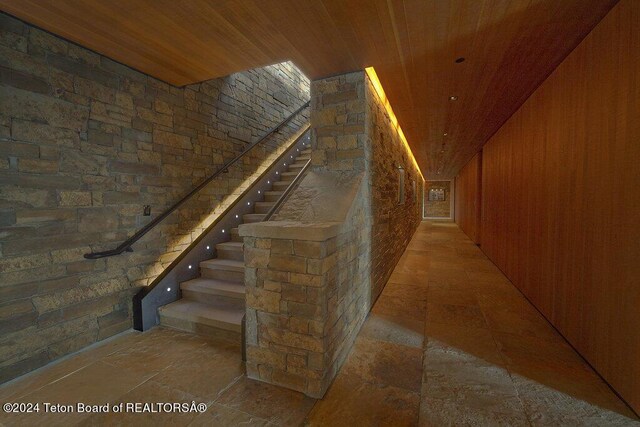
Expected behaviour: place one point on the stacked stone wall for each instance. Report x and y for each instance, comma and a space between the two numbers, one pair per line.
394, 222
85, 143
349, 202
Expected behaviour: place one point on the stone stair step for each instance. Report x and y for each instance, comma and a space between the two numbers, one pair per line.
263, 207
194, 316
280, 185
272, 196
235, 237
223, 269
289, 176
210, 290
306, 151
230, 250
249, 218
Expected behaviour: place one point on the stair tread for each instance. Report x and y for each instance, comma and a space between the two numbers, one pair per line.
253, 216
273, 193
212, 286
290, 173
265, 203
231, 245
213, 314
223, 264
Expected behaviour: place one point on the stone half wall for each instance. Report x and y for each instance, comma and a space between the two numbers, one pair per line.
85, 143
313, 274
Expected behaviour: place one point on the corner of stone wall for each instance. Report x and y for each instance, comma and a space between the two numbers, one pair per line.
290, 271
311, 283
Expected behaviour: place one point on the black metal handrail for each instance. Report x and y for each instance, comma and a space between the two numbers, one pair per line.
126, 245
286, 192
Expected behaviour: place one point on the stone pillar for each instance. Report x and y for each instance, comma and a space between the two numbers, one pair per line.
290, 274
313, 273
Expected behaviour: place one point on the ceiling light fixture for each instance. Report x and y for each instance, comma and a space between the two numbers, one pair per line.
453, 98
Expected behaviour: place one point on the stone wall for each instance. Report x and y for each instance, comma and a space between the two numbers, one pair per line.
289, 277
85, 143
438, 208
393, 222
347, 209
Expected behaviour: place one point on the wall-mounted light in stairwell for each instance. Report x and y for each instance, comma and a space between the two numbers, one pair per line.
277, 172
208, 248
168, 289
223, 230
189, 266
237, 216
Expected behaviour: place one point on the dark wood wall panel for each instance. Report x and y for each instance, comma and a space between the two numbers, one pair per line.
561, 199
468, 202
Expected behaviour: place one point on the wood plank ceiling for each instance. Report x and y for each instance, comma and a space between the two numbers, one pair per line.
509, 46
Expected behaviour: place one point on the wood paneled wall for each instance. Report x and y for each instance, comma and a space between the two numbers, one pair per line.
468, 202
511, 46
561, 199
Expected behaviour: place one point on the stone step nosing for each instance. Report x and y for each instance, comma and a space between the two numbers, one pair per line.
230, 246
209, 321
225, 265
212, 288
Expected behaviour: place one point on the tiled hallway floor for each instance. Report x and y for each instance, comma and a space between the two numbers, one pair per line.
449, 342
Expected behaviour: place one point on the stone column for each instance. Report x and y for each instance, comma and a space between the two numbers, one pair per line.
290, 274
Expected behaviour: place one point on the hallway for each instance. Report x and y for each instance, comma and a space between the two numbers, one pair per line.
485, 355
449, 342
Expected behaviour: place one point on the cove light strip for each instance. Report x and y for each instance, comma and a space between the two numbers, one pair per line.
371, 72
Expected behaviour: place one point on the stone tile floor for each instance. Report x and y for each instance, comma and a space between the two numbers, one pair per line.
449, 342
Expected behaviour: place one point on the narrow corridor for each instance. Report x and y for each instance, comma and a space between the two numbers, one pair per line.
449, 342
484, 354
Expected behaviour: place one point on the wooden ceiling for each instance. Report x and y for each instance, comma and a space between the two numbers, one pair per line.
509, 46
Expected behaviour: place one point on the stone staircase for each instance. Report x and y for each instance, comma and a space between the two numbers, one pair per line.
214, 303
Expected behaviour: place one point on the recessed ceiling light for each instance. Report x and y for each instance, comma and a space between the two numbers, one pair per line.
459, 60
453, 98
445, 134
